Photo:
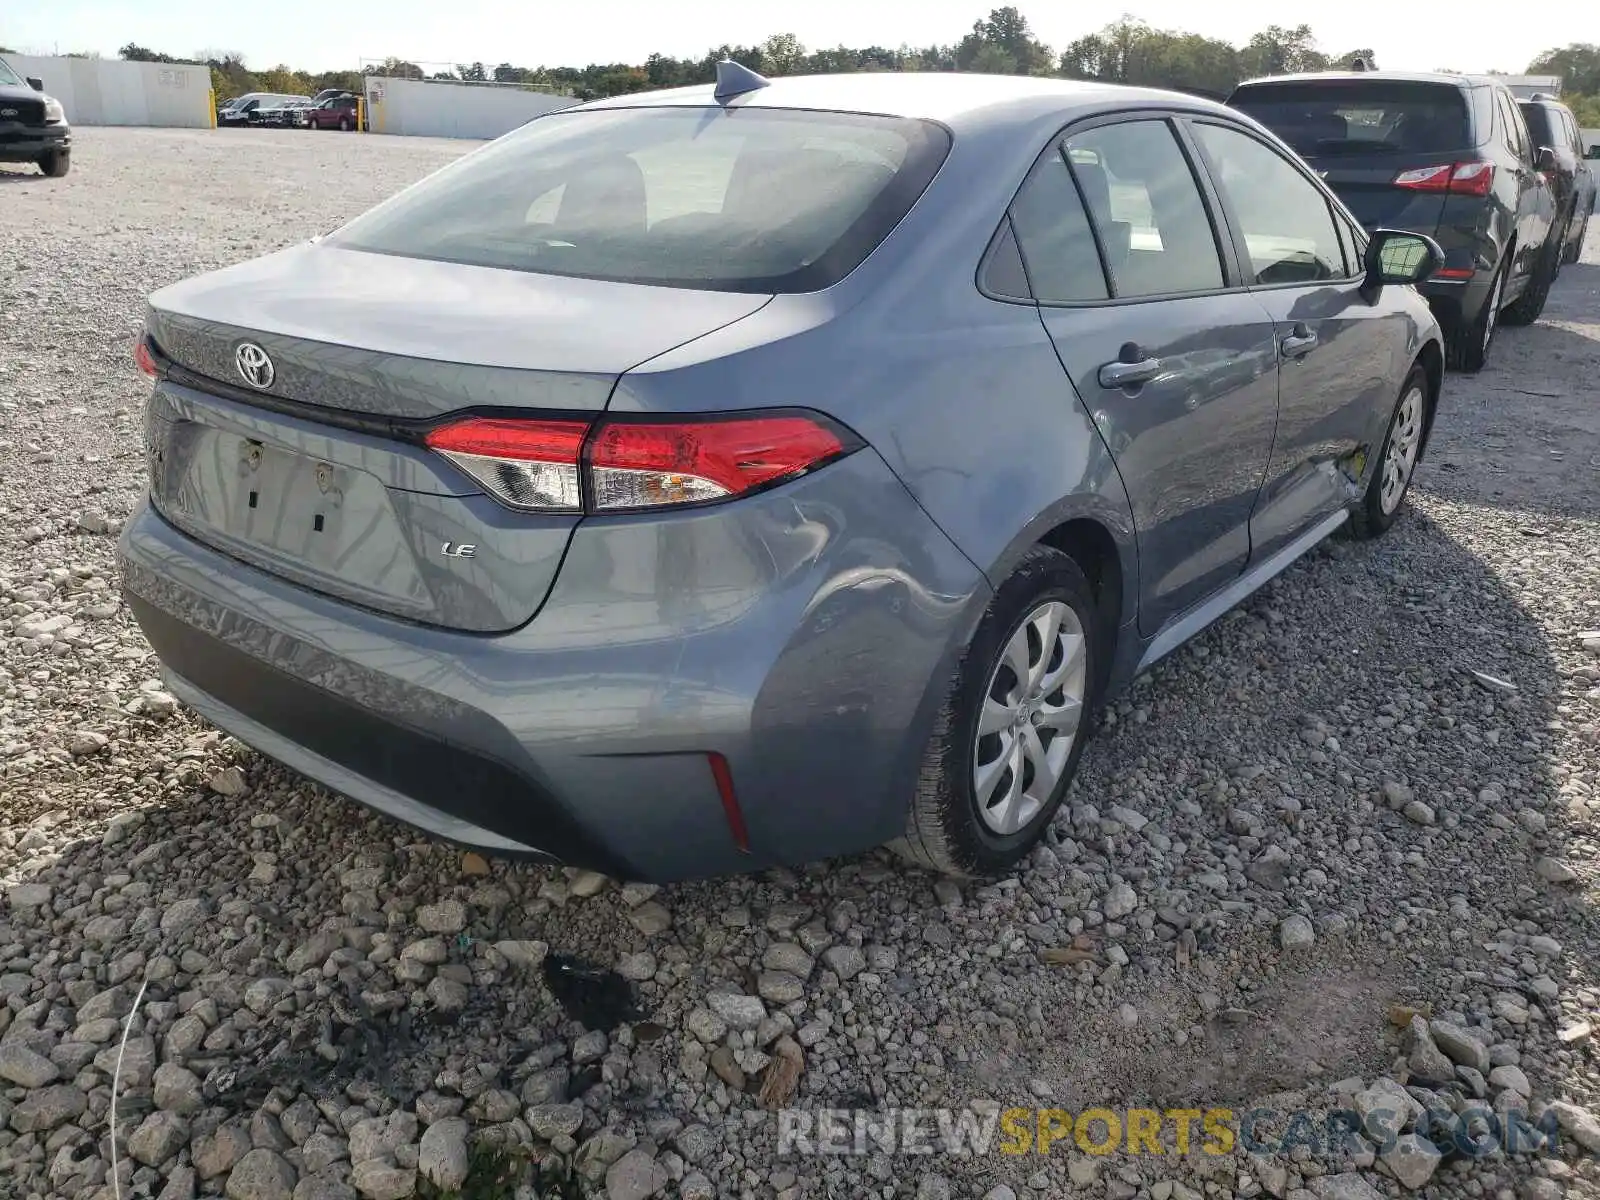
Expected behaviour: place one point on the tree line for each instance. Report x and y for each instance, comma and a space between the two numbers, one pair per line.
1126, 51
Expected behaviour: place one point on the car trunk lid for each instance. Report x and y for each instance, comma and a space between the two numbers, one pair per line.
315, 470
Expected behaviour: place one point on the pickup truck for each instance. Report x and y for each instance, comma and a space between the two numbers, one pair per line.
33, 126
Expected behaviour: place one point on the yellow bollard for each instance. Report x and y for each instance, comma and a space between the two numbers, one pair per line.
211, 106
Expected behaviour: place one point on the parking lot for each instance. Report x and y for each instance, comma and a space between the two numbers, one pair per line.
1397, 741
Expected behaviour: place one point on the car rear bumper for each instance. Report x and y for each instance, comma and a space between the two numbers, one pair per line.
27, 144
1457, 302
804, 635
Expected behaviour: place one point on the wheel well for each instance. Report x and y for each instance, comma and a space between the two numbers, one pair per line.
1093, 548
1432, 361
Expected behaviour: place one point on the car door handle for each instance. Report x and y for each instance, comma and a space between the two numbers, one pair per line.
1129, 374
1299, 343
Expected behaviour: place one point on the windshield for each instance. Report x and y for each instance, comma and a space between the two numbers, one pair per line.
8, 76
750, 200
1332, 117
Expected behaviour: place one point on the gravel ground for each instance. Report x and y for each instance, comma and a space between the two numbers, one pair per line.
1372, 793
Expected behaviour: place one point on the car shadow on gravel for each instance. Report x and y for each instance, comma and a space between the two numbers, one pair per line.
1341, 759
1524, 433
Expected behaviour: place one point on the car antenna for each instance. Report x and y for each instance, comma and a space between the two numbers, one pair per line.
735, 79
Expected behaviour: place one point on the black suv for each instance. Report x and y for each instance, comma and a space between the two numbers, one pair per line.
1552, 125
33, 126
1445, 155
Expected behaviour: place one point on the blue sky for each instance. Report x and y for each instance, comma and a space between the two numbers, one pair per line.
328, 34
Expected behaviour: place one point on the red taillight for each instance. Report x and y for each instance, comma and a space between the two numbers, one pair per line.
648, 465
539, 465
1467, 178
1426, 179
525, 464
1472, 178
144, 360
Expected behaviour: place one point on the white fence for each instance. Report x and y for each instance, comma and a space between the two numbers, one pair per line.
108, 91
456, 110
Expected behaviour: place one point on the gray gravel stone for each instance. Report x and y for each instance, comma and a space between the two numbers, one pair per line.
261, 1175
21, 1066
635, 1176
442, 1157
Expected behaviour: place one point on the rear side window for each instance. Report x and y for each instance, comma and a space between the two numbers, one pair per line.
1516, 128
1325, 118
745, 200
1146, 207
1053, 233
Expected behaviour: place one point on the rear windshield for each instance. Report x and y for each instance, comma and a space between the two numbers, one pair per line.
745, 200
1360, 116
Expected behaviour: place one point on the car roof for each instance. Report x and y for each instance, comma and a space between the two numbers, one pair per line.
947, 97
1441, 77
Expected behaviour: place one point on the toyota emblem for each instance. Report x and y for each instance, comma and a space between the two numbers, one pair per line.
255, 368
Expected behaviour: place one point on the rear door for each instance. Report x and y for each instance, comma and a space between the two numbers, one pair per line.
1174, 360
1342, 357
1535, 201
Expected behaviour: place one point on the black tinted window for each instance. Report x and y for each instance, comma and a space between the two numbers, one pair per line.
1540, 125
1057, 244
1284, 218
753, 200
1331, 117
1003, 273
1146, 207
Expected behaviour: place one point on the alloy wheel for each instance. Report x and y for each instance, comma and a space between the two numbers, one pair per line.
1031, 710
1405, 438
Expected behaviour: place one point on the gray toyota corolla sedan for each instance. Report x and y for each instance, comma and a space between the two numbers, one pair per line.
695, 481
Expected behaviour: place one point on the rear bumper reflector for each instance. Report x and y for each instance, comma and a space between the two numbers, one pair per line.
730, 800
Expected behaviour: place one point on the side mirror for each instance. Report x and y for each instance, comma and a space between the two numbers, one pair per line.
36, 83
1394, 256
1545, 160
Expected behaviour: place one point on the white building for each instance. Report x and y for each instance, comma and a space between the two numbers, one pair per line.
1524, 87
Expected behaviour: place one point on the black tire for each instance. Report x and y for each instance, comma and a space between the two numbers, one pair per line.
1371, 518
944, 831
1575, 250
55, 163
1467, 345
1525, 309
344, 124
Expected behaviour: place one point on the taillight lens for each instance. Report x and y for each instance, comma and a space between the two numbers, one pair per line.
524, 464
144, 360
1472, 178
632, 465
1426, 179
1467, 178
650, 465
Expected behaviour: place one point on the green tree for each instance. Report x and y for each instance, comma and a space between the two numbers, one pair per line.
1279, 51
1577, 64
782, 54
1002, 44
